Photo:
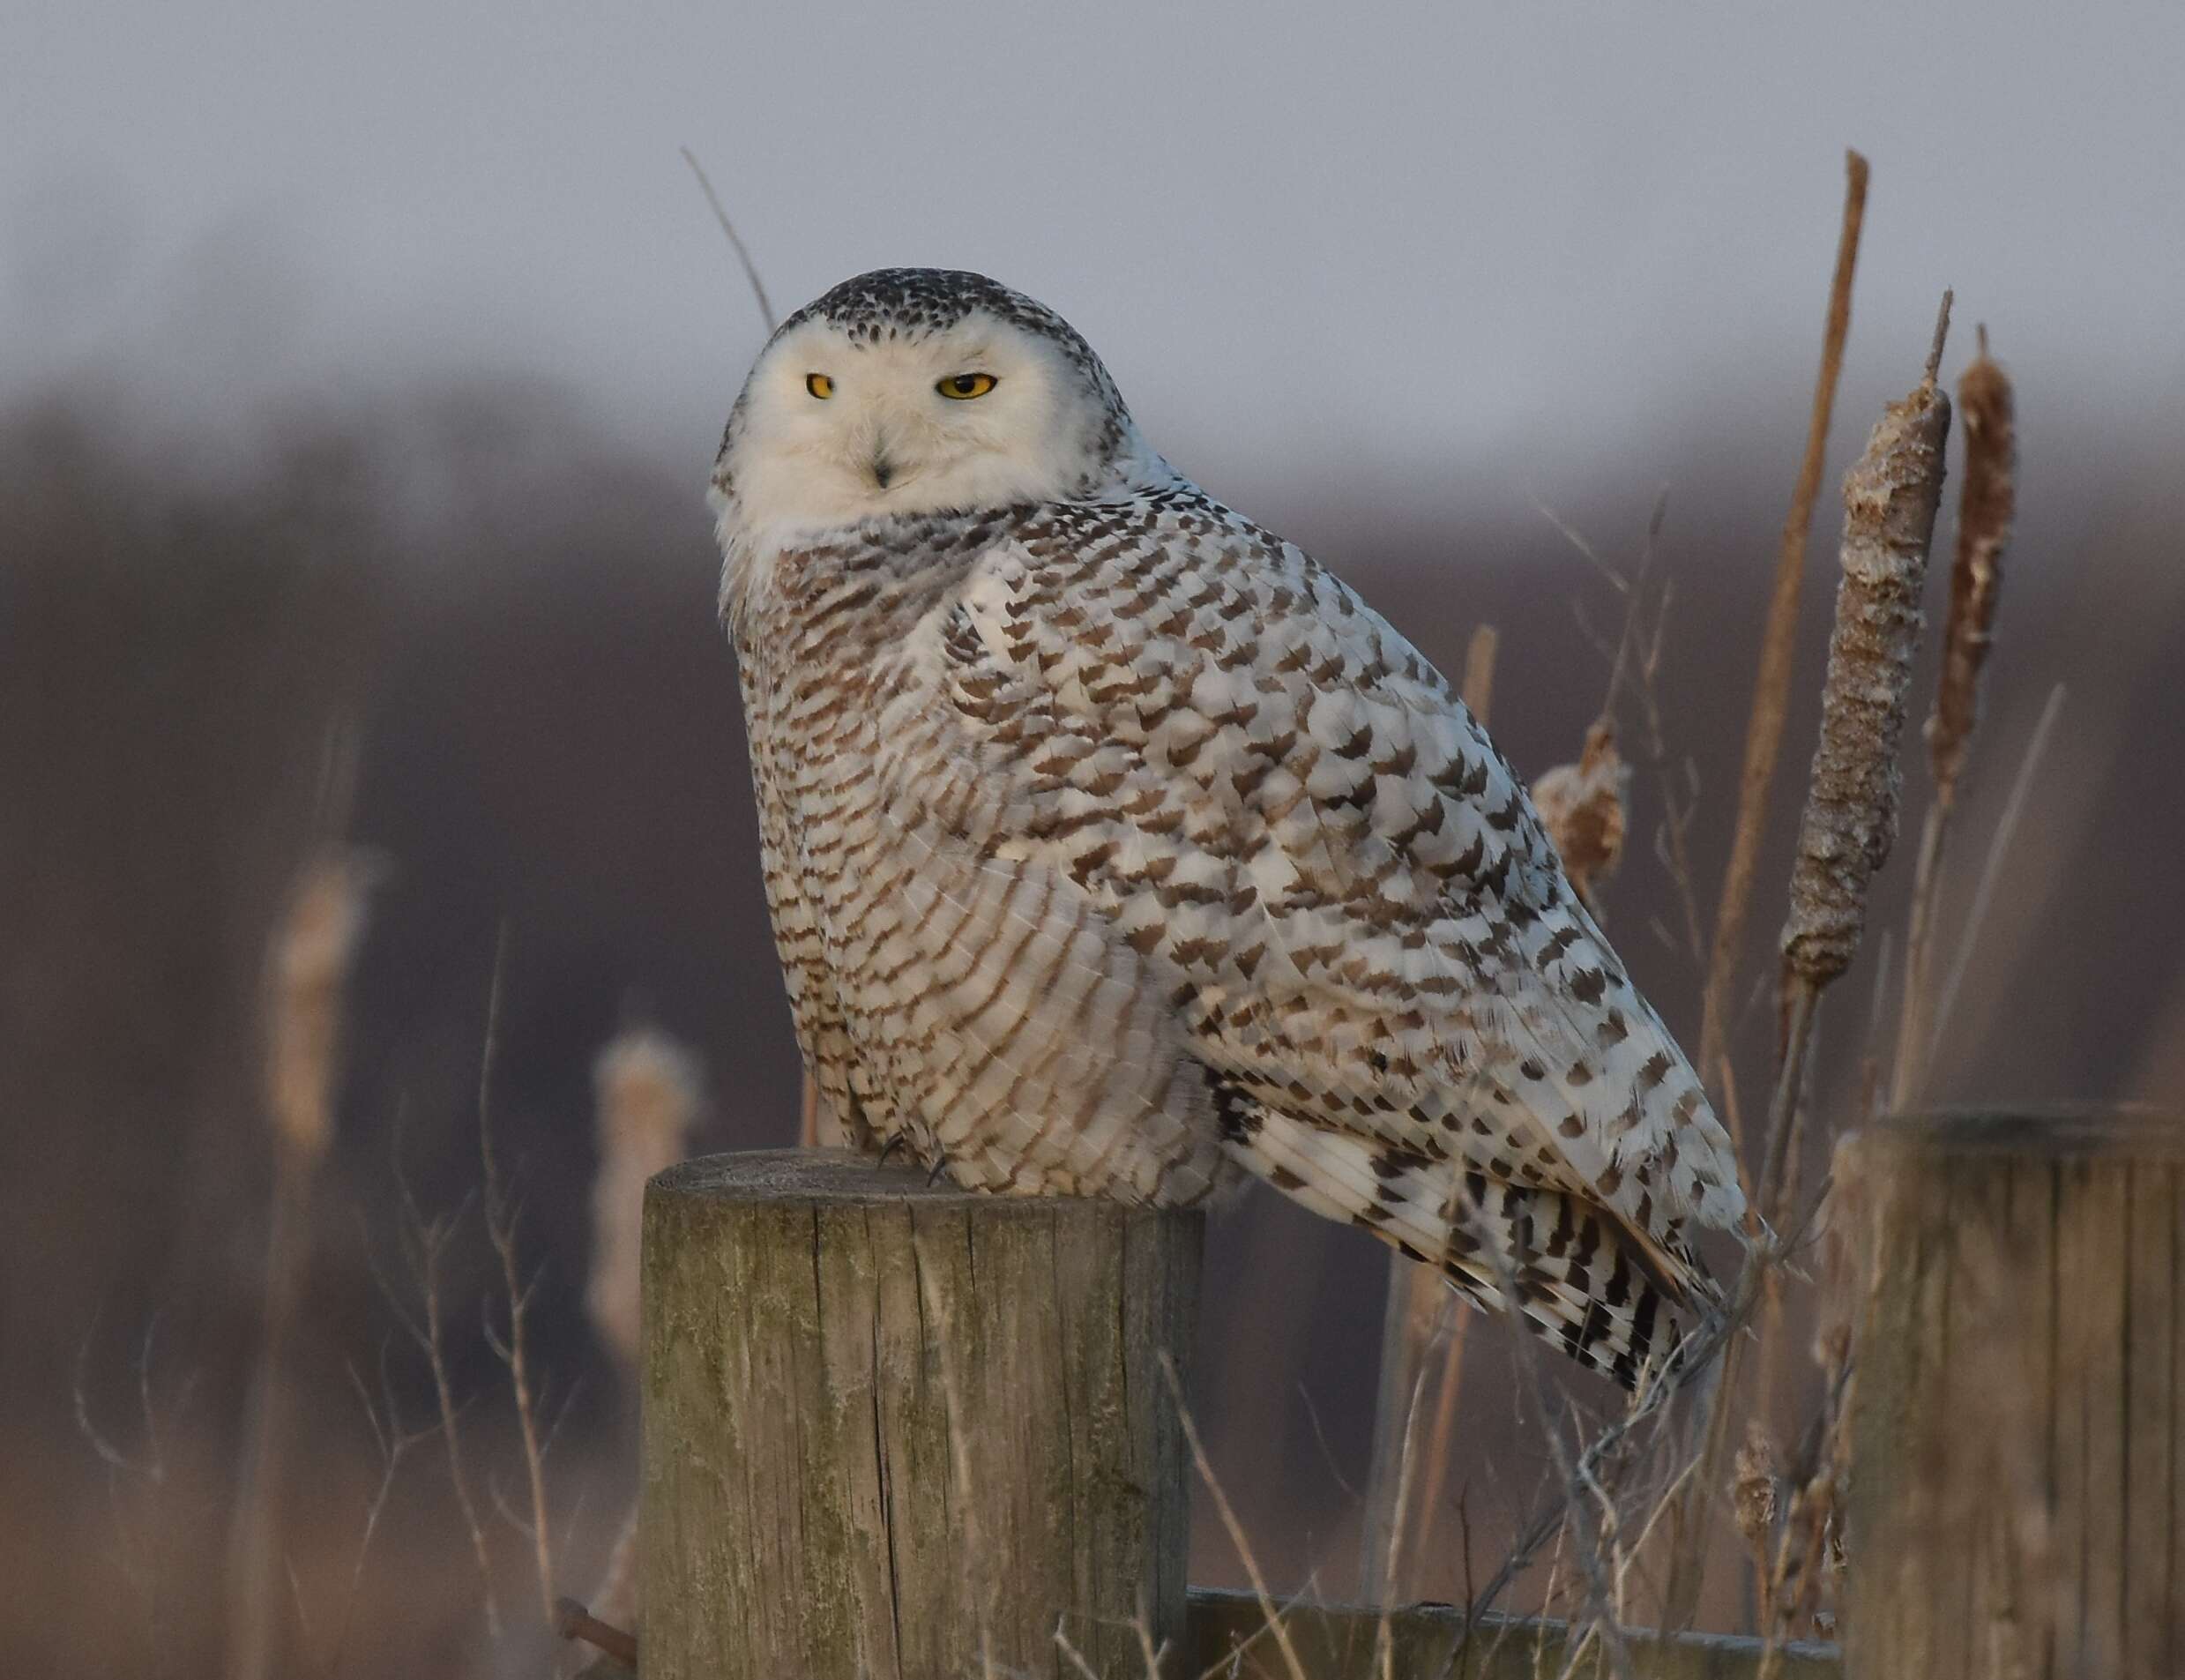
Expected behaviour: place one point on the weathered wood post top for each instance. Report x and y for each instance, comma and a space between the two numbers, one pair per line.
2017, 1419
895, 1430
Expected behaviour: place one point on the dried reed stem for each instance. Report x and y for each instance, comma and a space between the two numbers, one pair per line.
393, 1443
1579, 1475
424, 1246
1383, 1638
1478, 687
1850, 822
1417, 1295
1673, 839
1763, 736
647, 1089
1987, 505
512, 1349
310, 967
1441, 1435
735, 240
648, 1096
1991, 869
1272, 1616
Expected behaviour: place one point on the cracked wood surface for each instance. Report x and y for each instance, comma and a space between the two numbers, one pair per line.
895, 1430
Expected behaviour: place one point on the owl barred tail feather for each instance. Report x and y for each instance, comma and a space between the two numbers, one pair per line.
1582, 1282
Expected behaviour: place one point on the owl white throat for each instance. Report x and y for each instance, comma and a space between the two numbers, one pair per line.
852, 415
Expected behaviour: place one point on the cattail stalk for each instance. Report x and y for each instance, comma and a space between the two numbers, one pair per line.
513, 1350
648, 1090
1771, 688
1850, 824
309, 964
1417, 1307
649, 1094
1987, 505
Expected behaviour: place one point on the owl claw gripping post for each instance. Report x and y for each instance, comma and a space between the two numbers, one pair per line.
1113, 845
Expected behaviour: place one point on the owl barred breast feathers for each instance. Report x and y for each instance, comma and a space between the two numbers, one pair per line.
1115, 847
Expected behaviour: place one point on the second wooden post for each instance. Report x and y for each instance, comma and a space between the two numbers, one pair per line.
2017, 1423
894, 1429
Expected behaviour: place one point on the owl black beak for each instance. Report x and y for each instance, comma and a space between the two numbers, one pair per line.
883, 469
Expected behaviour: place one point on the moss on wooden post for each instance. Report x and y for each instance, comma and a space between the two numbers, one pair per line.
2019, 1408
894, 1429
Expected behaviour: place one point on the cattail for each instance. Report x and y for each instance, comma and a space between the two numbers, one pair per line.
649, 1090
1583, 807
1890, 502
1756, 1490
311, 955
309, 973
1986, 507
1479, 681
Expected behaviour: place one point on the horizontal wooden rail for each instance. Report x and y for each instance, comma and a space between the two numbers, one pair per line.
1335, 1643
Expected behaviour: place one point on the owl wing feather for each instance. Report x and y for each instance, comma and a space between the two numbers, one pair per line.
1339, 884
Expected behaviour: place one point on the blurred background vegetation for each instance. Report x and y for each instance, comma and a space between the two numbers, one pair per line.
460, 564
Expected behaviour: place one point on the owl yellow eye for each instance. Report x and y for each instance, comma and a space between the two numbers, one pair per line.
964, 387
819, 385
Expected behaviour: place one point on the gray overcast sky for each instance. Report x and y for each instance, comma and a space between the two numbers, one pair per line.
1345, 233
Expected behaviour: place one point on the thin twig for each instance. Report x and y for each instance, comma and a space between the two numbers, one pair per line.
1441, 1437
1384, 1634
750, 269
1991, 870
572, 1620
501, 1215
1764, 734
393, 1443
424, 1243
1416, 1294
1229, 1522
1578, 1475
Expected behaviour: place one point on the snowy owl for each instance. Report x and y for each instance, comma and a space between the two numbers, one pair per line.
1115, 847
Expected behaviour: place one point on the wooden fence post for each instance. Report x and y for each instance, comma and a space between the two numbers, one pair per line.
2017, 1421
894, 1429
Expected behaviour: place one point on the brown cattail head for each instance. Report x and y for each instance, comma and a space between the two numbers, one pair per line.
1582, 806
1890, 501
1754, 1493
649, 1091
1986, 506
312, 950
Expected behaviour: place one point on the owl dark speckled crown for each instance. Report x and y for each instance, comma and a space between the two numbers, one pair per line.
899, 303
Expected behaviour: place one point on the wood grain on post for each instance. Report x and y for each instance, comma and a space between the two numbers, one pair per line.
2017, 1419
895, 1430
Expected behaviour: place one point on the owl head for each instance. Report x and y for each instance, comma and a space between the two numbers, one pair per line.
917, 390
